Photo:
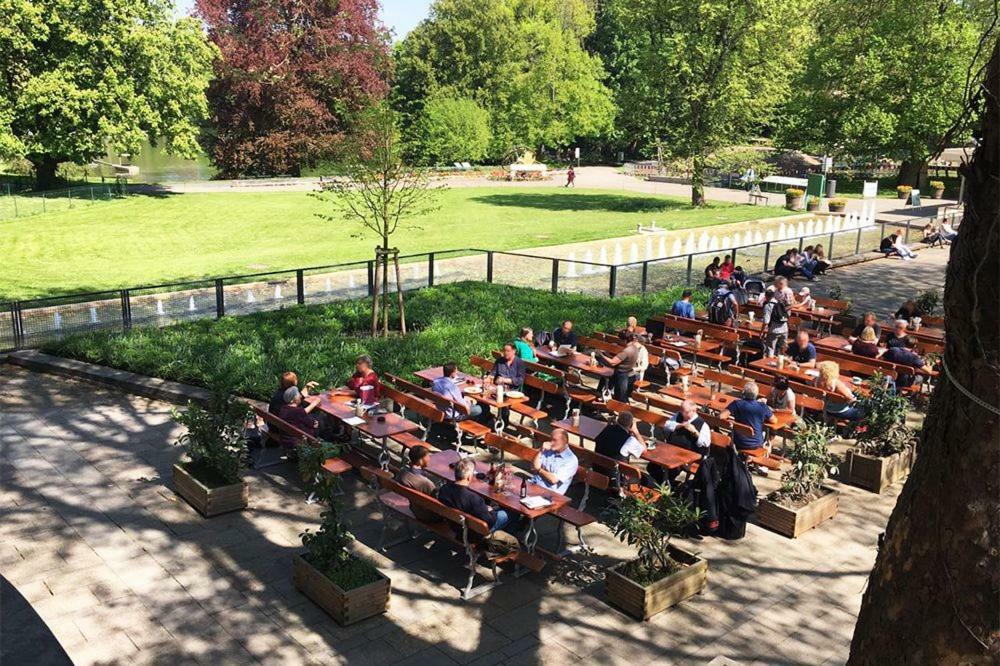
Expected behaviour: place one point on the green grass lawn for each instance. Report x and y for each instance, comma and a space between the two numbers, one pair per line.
320, 342
154, 239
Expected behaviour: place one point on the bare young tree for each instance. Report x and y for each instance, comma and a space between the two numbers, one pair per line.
379, 191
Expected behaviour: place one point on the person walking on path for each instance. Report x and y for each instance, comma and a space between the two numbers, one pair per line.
571, 177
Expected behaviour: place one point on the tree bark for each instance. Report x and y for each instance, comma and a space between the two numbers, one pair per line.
698, 180
934, 594
913, 173
45, 171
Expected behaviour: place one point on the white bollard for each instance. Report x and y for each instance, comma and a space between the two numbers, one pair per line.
250, 297
93, 315
329, 286
57, 322
159, 308
277, 292
588, 257
191, 305
571, 265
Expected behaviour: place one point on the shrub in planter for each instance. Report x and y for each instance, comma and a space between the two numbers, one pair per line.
837, 204
793, 198
813, 204
803, 502
928, 301
903, 191
209, 479
349, 588
662, 575
937, 188
884, 446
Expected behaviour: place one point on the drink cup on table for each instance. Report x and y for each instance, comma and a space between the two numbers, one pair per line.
576, 417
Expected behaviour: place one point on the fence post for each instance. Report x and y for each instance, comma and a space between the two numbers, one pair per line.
430, 269
555, 276
489, 266
300, 286
801, 241
830, 248
690, 262
906, 234
43, 202
220, 299
18, 323
613, 281
767, 255
371, 279
733, 258
645, 276
857, 244
126, 310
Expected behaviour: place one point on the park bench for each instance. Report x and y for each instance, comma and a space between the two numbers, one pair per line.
524, 410
463, 426
761, 456
336, 466
426, 416
572, 387
396, 501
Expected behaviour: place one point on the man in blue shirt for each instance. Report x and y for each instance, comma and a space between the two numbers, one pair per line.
683, 307
556, 464
564, 335
509, 369
749, 411
446, 386
802, 351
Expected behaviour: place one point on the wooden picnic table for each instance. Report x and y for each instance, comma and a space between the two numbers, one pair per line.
670, 456
927, 333
487, 394
441, 465
379, 427
589, 427
702, 396
681, 343
576, 360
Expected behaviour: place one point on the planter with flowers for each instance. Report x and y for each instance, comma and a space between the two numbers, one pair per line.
903, 191
885, 446
937, 189
209, 478
837, 204
793, 198
803, 502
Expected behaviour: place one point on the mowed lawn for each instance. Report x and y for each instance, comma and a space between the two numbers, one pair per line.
154, 239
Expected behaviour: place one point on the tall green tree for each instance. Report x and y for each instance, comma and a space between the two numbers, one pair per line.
79, 77
521, 60
888, 78
693, 76
453, 129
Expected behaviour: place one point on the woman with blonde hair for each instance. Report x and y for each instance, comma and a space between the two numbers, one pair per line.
866, 344
839, 401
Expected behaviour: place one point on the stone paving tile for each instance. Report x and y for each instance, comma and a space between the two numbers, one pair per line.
122, 570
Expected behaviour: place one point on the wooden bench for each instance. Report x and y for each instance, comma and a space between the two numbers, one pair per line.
336, 466
523, 409
397, 501
426, 416
726, 336
570, 383
473, 429
760, 456
613, 346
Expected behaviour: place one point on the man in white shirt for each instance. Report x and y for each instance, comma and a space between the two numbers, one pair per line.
688, 430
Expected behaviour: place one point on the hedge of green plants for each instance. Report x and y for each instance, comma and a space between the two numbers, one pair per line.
320, 342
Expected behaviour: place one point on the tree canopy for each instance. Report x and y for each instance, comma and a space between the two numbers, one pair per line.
82, 76
523, 61
886, 78
692, 76
291, 78
453, 129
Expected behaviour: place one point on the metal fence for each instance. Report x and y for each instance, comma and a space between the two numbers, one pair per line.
32, 323
14, 204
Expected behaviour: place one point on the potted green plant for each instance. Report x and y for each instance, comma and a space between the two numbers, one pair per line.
837, 204
803, 502
937, 189
927, 302
662, 575
347, 587
814, 204
884, 448
903, 191
209, 476
793, 198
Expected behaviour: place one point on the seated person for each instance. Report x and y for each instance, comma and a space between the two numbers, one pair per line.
866, 344
948, 232
288, 380
749, 411
803, 264
801, 351
525, 345
781, 397
907, 311
555, 465
509, 369
414, 476
899, 336
819, 256
631, 327
868, 321
713, 273
688, 430
909, 358
564, 335
931, 236
739, 276
364, 382
803, 298
840, 400
786, 265
684, 307
445, 386
293, 413
726, 268
903, 250
457, 495
620, 440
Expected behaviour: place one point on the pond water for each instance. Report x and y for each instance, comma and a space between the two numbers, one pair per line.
158, 166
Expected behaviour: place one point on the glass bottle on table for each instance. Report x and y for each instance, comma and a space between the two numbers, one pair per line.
524, 487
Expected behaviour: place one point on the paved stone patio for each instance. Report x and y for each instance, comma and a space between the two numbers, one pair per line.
123, 571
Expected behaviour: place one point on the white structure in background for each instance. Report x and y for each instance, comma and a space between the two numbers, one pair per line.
769, 236
93, 315
713, 244
677, 249
690, 248
277, 292
781, 231
250, 297
57, 322
649, 248
603, 257
350, 281
633, 253
416, 271
571, 265
191, 305
159, 308
703, 242
618, 254
588, 257
663, 247
328, 286
727, 242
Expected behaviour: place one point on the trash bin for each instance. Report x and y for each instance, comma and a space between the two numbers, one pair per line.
831, 188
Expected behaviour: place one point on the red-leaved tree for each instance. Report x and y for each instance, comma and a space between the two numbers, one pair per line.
292, 75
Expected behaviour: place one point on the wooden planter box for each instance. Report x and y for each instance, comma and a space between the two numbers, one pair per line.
937, 194
210, 501
344, 607
645, 602
875, 474
903, 195
793, 522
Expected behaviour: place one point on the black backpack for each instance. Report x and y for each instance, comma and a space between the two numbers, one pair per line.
779, 315
720, 307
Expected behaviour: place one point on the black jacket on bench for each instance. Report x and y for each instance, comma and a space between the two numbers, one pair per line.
461, 498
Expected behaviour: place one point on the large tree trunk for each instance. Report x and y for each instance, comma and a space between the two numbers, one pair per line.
698, 180
913, 173
45, 171
934, 594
